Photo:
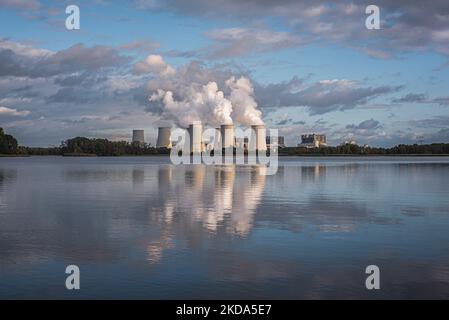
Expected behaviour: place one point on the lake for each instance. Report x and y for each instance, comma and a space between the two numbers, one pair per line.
139, 227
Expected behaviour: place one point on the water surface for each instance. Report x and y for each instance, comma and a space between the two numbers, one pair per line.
139, 227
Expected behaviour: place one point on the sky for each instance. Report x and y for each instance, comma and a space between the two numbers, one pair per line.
298, 66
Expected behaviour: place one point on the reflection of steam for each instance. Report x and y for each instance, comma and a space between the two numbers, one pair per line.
224, 183
246, 198
214, 196
155, 249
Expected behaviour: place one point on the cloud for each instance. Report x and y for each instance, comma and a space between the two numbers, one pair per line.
234, 42
434, 122
422, 98
411, 97
365, 125
20, 4
142, 45
20, 60
442, 101
320, 97
75, 95
405, 25
153, 64
5, 111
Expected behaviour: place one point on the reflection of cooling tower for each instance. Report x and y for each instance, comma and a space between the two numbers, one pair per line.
163, 137
259, 134
139, 137
227, 136
196, 133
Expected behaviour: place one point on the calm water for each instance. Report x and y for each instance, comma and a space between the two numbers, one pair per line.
141, 228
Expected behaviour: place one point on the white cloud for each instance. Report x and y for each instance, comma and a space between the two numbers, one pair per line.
5, 111
24, 49
154, 64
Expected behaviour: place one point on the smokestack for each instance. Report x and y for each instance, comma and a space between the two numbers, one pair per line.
138, 137
163, 137
196, 135
259, 134
227, 136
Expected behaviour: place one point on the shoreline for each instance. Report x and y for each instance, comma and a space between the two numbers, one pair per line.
88, 155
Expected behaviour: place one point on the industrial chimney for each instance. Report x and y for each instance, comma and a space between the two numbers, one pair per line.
196, 134
163, 137
138, 137
217, 139
227, 136
259, 136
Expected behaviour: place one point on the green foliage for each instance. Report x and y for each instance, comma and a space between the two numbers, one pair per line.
8, 144
104, 147
352, 149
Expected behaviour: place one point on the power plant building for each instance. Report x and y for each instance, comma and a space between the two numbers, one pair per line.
313, 140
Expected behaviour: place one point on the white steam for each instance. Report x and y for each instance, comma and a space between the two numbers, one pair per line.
242, 98
192, 93
206, 104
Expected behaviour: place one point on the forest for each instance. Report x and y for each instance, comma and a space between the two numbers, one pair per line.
82, 146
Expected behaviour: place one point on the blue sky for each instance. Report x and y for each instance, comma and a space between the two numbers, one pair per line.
312, 67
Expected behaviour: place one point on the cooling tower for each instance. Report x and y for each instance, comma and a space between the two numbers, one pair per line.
138, 137
227, 136
217, 139
259, 134
163, 137
196, 132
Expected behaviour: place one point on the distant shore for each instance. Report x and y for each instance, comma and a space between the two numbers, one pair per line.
14, 155
83, 155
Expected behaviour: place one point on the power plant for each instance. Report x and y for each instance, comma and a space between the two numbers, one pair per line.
227, 136
259, 137
313, 140
163, 137
217, 140
138, 137
196, 133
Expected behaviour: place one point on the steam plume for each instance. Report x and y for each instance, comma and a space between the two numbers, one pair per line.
192, 93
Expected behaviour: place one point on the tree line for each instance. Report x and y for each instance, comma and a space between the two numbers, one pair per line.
352, 149
103, 147
8, 144
82, 146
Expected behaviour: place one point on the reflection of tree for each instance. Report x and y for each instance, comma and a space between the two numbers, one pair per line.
6, 178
